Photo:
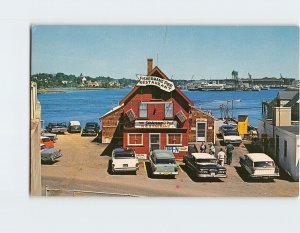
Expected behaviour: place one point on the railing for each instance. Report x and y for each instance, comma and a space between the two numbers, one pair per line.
78, 192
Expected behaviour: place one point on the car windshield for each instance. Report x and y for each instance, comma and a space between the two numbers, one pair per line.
165, 161
45, 139
264, 164
90, 125
43, 147
122, 155
206, 160
231, 133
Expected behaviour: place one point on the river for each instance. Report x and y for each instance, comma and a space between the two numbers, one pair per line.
89, 105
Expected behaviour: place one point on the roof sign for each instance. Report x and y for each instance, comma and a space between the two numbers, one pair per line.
163, 84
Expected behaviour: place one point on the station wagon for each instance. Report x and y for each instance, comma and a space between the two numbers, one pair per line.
259, 165
163, 163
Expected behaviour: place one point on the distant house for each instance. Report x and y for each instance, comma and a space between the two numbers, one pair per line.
83, 80
279, 131
92, 84
114, 84
64, 82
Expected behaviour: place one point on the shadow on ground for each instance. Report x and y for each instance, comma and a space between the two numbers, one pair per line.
49, 162
197, 179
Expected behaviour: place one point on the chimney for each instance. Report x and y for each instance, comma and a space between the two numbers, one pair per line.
282, 116
149, 65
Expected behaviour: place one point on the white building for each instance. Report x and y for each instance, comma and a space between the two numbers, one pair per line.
279, 135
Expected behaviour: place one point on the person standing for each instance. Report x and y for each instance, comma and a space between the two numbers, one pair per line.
203, 148
212, 149
229, 149
221, 157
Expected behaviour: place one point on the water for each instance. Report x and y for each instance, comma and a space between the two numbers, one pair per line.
90, 105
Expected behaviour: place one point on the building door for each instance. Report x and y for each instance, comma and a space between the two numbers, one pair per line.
277, 149
201, 131
154, 141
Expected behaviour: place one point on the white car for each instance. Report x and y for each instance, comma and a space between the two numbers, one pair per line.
259, 165
124, 160
232, 137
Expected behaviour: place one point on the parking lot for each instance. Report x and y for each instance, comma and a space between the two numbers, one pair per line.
84, 167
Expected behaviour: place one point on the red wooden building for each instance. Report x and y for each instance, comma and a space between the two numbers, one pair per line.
154, 115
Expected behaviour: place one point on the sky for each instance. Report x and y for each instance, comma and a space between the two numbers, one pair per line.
181, 52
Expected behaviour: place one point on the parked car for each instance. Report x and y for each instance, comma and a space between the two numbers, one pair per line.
90, 129
204, 165
52, 136
259, 165
226, 127
47, 142
232, 137
49, 154
57, 127
74, 127
124, 160
163, 163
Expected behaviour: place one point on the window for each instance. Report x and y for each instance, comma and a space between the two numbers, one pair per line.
169, 110
135, 139
285, 148
174, 139
143, 110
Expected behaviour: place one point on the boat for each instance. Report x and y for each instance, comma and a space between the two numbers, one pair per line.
212, 87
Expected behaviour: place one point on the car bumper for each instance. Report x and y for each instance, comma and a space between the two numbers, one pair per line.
233, 142
125, 169
165, 173
267, 176
200, 175
89, 134
75, 131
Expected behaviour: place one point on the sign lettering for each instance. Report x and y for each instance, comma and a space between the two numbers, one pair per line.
155, 124
163, 84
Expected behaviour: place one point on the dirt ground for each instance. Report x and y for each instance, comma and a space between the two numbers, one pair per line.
83, 168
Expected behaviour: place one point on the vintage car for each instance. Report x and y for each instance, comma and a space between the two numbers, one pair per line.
232, 137
56, 127
226, 127
204, 165
47, 142
124, 160
52, 136
74, 127
49, 154
163, 163
259, 165
90, 129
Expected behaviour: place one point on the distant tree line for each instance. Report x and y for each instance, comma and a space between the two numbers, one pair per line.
61, 80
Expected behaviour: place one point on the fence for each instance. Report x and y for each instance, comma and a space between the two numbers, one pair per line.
78, 192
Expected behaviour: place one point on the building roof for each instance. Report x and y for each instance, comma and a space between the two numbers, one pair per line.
203, 156
259, 157
292, 129
286, 95
113, 110
162, 75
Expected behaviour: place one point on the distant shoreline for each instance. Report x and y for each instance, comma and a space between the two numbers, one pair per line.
63, 90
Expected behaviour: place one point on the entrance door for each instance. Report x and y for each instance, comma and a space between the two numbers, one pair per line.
154, 141
201, 131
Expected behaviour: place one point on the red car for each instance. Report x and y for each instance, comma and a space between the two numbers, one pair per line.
47, 141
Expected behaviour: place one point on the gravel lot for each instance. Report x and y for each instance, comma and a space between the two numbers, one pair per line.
82, 167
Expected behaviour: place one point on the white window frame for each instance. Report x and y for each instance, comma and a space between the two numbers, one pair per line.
174, 144
128, 139
172, 115
140, 104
